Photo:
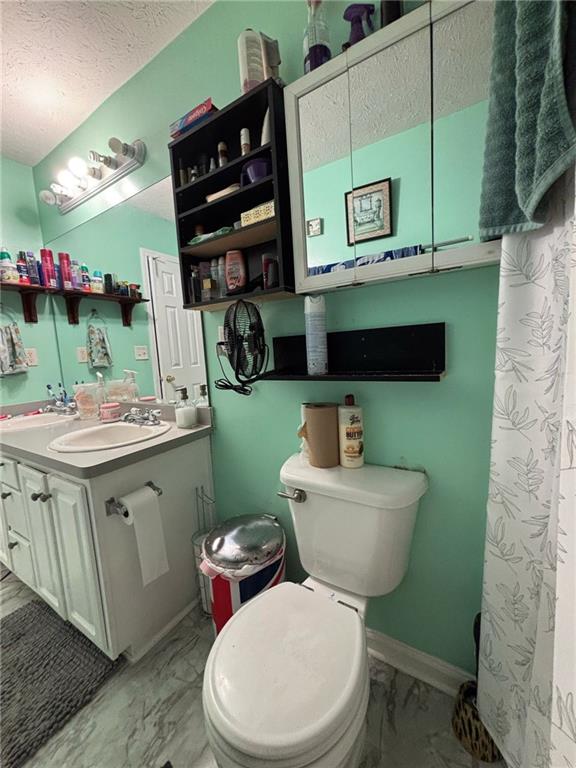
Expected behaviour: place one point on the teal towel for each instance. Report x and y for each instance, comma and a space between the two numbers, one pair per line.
530, 137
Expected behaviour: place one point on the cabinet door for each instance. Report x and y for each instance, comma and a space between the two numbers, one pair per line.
42, 539
77, 558
389, 210
21, 554
462, 50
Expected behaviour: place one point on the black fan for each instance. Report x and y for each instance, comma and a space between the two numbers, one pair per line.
245, 347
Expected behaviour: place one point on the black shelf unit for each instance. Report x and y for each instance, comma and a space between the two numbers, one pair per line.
272, 235
397, 353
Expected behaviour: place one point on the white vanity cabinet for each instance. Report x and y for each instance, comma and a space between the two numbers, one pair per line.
58, 535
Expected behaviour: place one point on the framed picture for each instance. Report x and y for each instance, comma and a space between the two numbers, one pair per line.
369, 212
314, 227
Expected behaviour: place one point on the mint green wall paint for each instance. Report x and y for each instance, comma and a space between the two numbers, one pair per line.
111, 242
443, 427
20, 230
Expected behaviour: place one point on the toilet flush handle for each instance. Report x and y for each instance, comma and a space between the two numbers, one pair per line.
297, 495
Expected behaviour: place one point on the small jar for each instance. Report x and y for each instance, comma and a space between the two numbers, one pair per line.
97, 282
110, 412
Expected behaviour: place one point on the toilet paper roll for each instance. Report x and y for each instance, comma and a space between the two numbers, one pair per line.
144, 514
321, 433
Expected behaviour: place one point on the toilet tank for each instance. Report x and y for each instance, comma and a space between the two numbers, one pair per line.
354, 528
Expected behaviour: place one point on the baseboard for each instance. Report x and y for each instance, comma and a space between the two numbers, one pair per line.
429, 669
135, 655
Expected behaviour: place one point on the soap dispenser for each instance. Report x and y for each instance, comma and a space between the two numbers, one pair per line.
185, 411
132, 391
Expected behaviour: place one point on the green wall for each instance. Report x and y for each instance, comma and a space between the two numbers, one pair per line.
111, 242
20, 230
444, 427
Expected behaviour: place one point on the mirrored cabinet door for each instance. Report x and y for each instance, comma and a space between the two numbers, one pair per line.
389, 209
326, 175
462, 52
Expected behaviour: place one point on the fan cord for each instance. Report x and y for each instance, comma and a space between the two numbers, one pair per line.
242, 388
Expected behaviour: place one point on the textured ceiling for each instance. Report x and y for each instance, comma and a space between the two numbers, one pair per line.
390, 92
61, 60
156, 200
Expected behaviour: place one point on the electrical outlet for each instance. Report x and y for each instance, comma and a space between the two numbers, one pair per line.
221, 333
141, 353
81, 354
32, 356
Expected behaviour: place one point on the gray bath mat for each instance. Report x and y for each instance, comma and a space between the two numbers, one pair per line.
49, 671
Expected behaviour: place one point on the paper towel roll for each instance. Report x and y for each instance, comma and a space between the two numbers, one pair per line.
321, 433
144, 514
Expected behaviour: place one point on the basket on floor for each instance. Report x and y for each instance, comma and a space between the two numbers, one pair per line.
469, 729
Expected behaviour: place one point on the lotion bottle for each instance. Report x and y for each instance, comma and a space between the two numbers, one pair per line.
185, 411
351, 434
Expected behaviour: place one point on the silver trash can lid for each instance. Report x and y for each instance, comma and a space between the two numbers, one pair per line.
244, 540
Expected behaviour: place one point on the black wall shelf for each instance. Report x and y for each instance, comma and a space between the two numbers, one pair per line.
398, 353
271, 236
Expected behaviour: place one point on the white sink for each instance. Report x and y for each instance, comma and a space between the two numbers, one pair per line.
30, 422
106, 436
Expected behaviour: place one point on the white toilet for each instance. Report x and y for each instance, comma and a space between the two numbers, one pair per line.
286, 682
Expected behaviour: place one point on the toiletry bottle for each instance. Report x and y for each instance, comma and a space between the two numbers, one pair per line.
132, 388
22, 268
316, 37
214, 276
316, 338
222, 154
244, 141
351, 433
97, 282
48, 270
182, 174
85, 275
65, 271
360, 17
222, 275
8, 270
201, 393
235, 270
185, 411
32, 268
75, 275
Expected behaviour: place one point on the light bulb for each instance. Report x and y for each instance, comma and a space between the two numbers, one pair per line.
78, 166
58, 189
67, 179
47, 196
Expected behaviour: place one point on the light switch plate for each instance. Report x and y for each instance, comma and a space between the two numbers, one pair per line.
81, 354
220, 333
32, 356
141, 353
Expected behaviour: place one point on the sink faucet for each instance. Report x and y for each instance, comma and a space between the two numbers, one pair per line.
146, 417
66, 409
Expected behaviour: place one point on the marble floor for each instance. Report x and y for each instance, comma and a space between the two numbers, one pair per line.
151, 712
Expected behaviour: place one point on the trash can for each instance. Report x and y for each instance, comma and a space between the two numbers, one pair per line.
242, 557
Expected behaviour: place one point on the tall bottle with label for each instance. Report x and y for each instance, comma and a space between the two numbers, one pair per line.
351, 433
316, 37
316, 338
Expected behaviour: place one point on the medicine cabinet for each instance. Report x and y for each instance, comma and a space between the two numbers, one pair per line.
385, 149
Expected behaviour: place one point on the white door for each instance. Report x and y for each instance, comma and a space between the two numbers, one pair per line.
77, 558
176, 333
42, 538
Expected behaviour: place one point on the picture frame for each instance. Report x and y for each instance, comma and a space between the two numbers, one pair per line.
369, 212
314, 227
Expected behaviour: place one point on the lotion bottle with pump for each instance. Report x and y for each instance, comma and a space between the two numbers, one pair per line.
185, 411
351, 432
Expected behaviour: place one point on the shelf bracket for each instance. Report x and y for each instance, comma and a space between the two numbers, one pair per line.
73, 309
126, 310
28, 299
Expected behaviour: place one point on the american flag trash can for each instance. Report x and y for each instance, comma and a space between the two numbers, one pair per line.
242, 557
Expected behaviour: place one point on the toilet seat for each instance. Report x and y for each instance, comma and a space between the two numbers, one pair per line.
287, 677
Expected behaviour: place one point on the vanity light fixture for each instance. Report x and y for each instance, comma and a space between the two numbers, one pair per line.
83, 180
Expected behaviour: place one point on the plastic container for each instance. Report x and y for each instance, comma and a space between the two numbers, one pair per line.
89, 398
22, 269
110, 412
48, 271
185, 411
235, 270
8, 270
316, 337
76, 275
351, 434
243, 557
97, 282
316, 37
85, 277
65, 271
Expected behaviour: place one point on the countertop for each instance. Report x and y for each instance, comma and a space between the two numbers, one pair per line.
32, 445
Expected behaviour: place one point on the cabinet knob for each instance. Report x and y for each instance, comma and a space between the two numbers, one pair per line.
5, 494
35, 496
12, 544
45, 496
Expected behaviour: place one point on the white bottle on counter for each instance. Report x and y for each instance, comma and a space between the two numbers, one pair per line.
351, 433
185, 411
316, 338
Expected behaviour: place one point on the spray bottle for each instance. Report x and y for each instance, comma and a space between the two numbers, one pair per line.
360, 17
316, 37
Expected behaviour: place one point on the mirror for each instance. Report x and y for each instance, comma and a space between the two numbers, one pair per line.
324, 123
136, 241
460, 116
389, 213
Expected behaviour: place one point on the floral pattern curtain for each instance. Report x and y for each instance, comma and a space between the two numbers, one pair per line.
527, 675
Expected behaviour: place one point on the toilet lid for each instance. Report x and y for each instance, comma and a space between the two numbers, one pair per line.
286, 673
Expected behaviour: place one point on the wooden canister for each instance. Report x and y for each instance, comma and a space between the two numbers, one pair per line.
320, 430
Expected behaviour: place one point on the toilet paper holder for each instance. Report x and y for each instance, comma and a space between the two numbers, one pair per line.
115, 507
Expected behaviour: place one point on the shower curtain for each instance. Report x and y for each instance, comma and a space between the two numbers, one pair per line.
527, 673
